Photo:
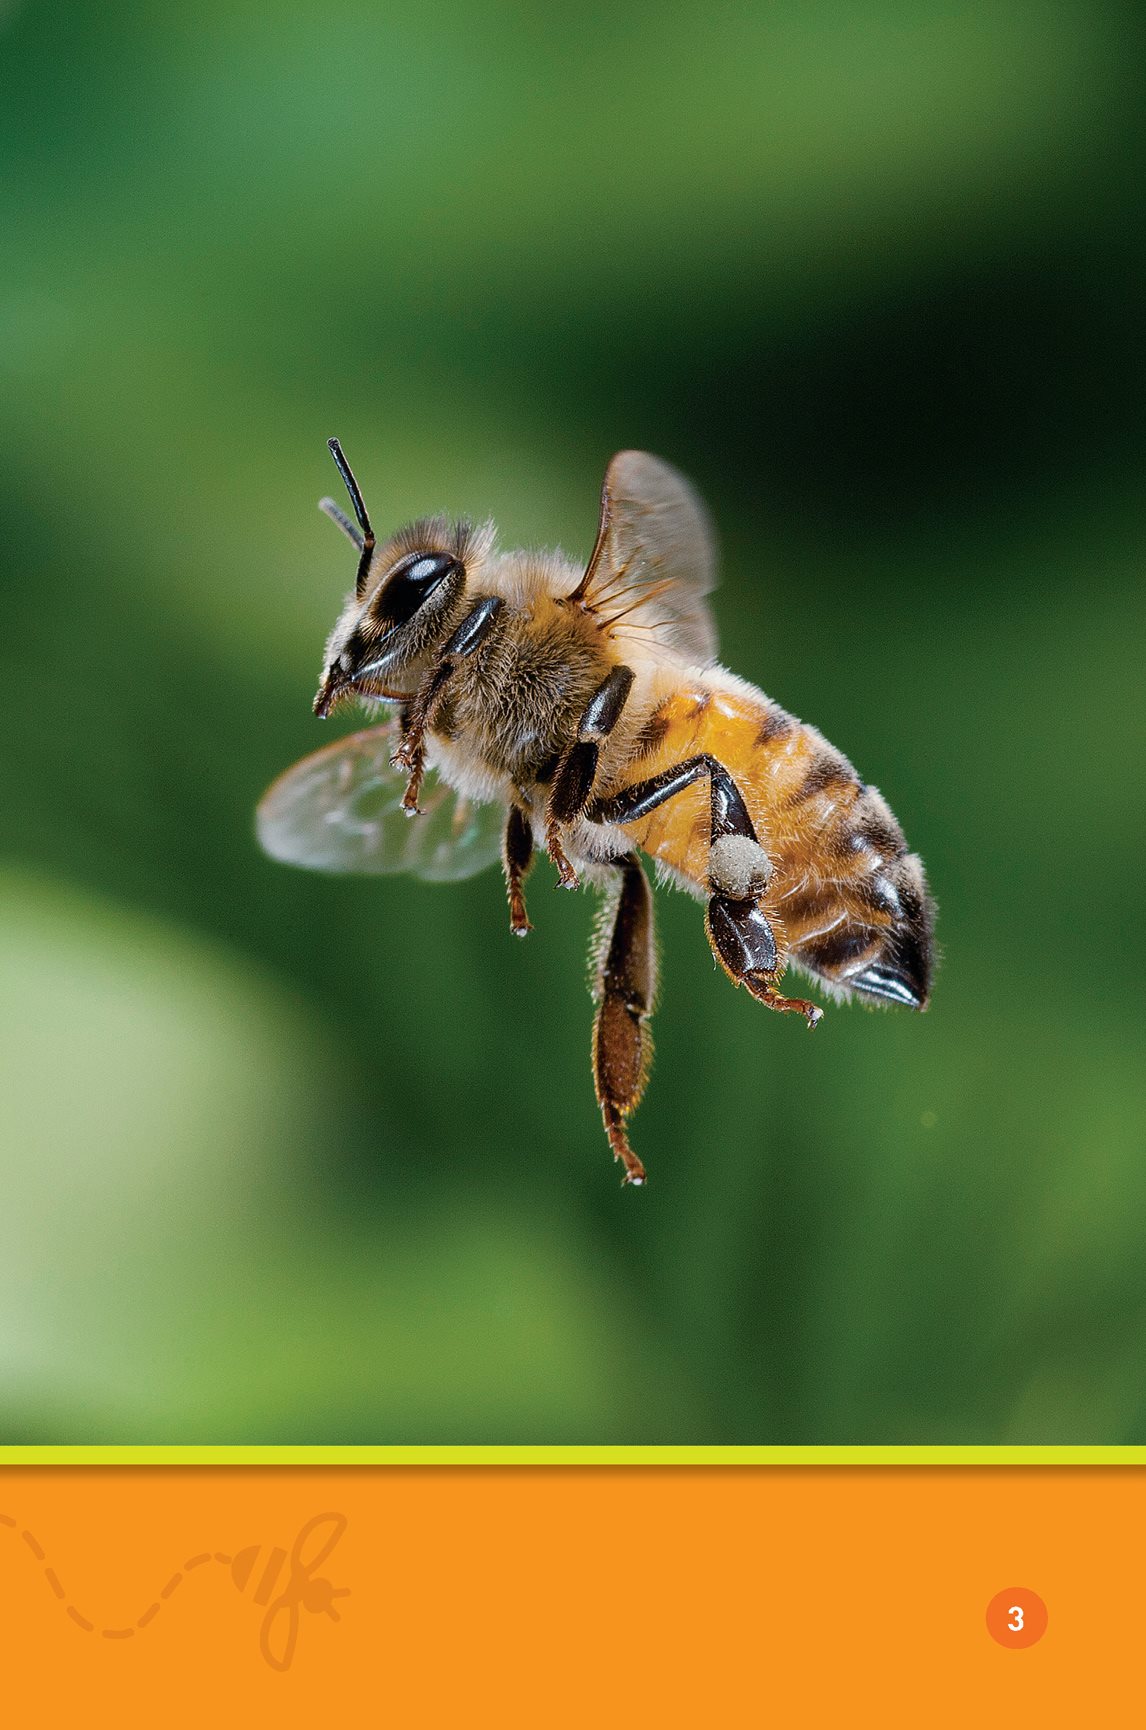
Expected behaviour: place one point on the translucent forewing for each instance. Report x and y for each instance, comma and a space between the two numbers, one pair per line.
655, 558
341, 810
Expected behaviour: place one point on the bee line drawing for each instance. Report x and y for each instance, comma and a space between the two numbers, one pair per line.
538, 704
281, 1583
259, 1570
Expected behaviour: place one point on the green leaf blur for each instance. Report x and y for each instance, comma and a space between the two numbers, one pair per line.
296, 1159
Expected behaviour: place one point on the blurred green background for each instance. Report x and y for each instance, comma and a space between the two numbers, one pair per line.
295, 1159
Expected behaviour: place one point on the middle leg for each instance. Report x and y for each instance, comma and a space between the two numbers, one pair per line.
516, 859
573, 782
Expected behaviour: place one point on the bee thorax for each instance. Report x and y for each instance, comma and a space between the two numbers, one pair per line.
738, 867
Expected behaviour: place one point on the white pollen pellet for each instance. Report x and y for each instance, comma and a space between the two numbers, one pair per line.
738, 867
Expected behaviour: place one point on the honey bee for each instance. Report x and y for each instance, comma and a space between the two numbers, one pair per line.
581, 710
259, 1570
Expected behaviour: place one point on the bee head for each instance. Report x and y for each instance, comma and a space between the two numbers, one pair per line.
406, 598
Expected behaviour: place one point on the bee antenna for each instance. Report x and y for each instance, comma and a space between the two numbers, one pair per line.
366, 544
331, 510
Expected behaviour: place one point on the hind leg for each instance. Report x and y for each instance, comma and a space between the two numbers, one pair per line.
624, 986
743, 942
739, 869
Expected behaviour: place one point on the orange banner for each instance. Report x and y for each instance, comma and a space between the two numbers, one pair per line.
552, 1597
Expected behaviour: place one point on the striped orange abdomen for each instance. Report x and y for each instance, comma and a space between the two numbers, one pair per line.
846, 901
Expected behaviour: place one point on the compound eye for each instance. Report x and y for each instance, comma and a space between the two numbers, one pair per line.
410, 585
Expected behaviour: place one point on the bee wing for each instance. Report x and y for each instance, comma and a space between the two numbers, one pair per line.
279, 1633
655, 558
341, 810
314, 1544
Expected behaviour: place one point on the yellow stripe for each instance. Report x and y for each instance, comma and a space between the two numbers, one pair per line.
573, 1456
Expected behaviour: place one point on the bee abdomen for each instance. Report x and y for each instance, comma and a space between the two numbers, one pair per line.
867, 927
243, 1568
848, 901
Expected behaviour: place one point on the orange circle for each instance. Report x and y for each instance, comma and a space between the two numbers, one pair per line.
1016, 1617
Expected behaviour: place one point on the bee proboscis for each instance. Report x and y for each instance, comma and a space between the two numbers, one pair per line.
539, 703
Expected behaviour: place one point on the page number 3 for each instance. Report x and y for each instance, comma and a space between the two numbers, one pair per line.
1016, 1617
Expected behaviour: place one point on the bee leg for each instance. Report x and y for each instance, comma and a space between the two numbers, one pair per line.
739, 869
771, 999
517, 857
411, 753
567, 877
624, 986
745, 945
577, 770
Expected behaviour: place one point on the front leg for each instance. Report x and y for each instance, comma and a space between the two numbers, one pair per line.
411, 753
577, 770
739, 871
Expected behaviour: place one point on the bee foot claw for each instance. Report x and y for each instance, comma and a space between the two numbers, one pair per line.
634, 1170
